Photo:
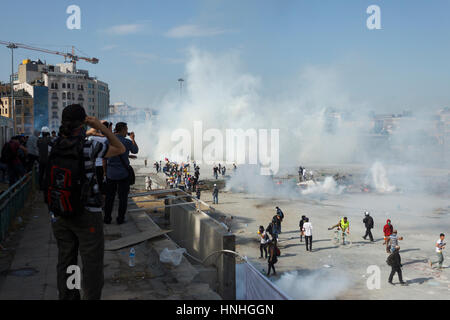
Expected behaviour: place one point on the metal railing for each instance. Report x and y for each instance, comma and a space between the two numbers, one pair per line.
12, 201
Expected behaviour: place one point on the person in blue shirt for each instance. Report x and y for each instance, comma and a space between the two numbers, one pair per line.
117, 175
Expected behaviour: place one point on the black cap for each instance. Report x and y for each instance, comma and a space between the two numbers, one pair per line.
73, 112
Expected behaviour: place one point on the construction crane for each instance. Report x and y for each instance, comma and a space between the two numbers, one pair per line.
71, 56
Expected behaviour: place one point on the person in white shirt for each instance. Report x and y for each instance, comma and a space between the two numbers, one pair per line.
307, 230
100, 164
440, 245
264, 238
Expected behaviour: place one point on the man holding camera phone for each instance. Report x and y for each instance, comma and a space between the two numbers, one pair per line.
119, 175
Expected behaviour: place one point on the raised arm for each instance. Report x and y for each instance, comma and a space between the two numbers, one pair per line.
115, 146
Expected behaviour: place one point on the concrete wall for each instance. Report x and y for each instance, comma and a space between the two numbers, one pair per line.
201, 235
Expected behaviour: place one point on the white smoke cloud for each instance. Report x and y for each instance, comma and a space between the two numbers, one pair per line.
378, 179
328, 186
219, 92
318, 285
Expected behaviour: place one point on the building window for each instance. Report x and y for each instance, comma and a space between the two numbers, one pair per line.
64, 85
64, 95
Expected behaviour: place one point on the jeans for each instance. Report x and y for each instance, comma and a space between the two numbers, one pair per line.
308, 241
122, 187
215, 199
440, 257
83, 233
261, 248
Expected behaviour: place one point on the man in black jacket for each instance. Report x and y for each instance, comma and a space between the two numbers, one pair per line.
368, 221
300, 224
395, 261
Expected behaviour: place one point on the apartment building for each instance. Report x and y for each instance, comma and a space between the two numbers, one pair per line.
66, 85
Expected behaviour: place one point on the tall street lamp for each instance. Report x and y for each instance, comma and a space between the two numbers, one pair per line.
12, 46
181, 86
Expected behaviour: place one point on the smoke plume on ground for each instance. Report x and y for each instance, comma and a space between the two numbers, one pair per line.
318, 285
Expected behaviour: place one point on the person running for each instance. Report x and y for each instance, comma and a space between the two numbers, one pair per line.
307, 229
395, 261
273, 256
300, 224
440, 245
368, 222
387, 229
264, 238
343, 225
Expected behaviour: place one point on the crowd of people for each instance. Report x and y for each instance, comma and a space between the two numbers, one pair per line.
269, 238
180, 175
80, 172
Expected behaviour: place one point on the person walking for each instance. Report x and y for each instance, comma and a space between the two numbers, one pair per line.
215, 194
273, 256
264, 238
395, 261
307, 229
10, 156
276, 226
393, 240
300, 224
118, 175
368, 222
77, 221
440, 245
281, 215
197, 192
387, 230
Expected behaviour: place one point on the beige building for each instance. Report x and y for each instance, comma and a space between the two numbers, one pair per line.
66, 85
24, 111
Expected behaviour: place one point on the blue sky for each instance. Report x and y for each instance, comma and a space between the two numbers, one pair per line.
142, 45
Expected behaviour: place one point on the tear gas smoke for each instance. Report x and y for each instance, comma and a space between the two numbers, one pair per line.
320, 121
328, 186
378, 179
318, 285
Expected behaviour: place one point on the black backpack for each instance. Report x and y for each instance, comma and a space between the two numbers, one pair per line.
66, 181
7, 154
390, 260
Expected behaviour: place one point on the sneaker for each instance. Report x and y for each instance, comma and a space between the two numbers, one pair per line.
364, 238
390, 282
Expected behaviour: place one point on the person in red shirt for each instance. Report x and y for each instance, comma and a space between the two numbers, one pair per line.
16, 168
387, 229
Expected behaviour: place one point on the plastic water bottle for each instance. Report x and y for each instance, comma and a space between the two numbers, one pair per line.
131, 261
52, 217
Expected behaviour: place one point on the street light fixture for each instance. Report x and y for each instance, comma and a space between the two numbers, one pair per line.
181, 86
12, 46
